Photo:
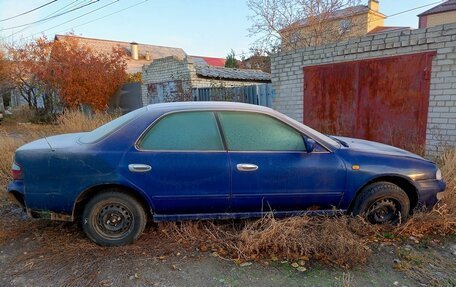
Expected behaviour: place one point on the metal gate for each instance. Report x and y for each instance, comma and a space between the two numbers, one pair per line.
383, 99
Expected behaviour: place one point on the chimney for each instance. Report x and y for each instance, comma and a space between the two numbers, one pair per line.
147, 56
134, 50
374, 5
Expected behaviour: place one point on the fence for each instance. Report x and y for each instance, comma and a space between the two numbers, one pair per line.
256, 94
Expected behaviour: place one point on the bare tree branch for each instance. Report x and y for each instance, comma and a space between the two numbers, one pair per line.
293, 24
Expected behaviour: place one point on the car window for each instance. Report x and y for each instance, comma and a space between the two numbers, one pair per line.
258, 132
104, 130
184, 131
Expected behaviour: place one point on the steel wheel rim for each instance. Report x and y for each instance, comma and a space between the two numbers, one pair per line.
114, 221
385, 210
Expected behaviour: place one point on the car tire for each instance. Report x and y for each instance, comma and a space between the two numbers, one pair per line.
382, 203
113, 218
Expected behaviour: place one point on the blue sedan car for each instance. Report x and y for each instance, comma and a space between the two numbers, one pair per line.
213, 160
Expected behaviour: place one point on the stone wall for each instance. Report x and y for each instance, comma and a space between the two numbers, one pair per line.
288, 76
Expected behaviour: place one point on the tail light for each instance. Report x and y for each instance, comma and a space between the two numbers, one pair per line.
17, 171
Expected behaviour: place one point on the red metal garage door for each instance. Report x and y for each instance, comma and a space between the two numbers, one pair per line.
383, 99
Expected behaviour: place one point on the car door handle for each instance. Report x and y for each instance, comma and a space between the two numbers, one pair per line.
246, 167
139, 167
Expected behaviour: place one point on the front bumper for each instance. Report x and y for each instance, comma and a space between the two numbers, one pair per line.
428, 190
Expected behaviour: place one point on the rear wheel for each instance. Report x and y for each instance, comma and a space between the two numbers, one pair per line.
113, 218
382, 203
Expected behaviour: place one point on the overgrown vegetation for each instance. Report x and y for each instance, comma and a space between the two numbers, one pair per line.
341, 241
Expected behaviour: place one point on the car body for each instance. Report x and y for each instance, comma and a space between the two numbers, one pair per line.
215, 160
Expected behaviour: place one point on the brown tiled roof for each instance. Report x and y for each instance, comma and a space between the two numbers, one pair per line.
232, 74
444, 7
106, 46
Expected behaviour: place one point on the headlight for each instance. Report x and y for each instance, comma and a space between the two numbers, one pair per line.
438, 174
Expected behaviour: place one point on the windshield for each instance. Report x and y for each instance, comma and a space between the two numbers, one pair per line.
112, 126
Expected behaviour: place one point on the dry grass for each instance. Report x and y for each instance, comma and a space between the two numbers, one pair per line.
341, 241
297, 238
13, 134
442, 218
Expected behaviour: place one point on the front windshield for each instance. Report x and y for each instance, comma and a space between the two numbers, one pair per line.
112, 126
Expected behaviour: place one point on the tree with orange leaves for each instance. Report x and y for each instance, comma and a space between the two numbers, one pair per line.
73, 72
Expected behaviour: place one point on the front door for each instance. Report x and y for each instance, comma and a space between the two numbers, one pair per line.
271, 169
182, 165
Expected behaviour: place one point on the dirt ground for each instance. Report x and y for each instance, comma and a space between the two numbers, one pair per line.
44, 253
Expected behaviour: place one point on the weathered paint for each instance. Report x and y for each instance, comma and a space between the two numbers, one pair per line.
383, 99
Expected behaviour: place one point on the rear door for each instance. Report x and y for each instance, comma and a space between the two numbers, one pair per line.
182, 165
271, 169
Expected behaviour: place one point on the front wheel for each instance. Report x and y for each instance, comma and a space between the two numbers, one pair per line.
113, 218
382, 203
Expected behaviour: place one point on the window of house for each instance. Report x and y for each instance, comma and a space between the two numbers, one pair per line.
184, 131
258, 132
295, 36
344, 25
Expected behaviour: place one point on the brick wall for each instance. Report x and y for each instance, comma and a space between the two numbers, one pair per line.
161, 71
287, 73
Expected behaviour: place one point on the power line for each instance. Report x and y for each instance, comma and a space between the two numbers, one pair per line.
406, 11
52, 17
413, 9
69, 6
369, 21
77, 17
29, 11
91, 21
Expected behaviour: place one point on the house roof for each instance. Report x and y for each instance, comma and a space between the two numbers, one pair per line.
444, 7
385, 29
232, 74
106, 46
346, 12
209, 61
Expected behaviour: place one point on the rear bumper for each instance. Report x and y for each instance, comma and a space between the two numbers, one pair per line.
428, 190
15, 192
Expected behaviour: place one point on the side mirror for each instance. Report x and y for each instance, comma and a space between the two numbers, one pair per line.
310, 144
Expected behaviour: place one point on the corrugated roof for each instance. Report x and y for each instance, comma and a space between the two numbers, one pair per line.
232, 74
106, 46
444, 7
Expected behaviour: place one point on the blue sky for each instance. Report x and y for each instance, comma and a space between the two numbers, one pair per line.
200, 27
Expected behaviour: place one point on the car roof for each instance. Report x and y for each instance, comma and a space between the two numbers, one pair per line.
178, 106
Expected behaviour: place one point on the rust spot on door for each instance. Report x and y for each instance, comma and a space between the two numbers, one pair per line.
383, 99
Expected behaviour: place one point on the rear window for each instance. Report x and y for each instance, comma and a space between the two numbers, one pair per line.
112, 126
184, 131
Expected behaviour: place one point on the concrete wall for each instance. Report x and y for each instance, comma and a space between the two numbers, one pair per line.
287, 73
